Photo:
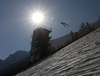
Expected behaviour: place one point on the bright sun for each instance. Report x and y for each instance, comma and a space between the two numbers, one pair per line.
38, 18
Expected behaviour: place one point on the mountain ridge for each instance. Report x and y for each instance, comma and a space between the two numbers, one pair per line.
13, 58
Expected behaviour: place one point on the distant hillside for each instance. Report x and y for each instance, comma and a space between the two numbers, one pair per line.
13, 58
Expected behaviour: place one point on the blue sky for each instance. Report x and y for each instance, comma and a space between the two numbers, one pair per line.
16, 27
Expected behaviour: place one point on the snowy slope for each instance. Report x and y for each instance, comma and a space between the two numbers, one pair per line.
61, 41
81, 58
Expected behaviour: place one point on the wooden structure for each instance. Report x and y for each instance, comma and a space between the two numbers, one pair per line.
40, 45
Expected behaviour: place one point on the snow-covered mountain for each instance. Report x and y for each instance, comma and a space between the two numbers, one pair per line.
13, 58
80, 58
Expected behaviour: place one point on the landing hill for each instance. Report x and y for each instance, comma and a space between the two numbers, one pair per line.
80, 58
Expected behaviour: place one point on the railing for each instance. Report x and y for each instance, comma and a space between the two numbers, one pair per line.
47, 28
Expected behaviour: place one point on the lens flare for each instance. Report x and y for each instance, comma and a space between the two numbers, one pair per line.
51, 18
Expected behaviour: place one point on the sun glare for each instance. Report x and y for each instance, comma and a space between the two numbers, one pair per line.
38, 17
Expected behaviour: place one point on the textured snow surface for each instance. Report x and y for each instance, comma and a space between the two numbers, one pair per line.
81, 58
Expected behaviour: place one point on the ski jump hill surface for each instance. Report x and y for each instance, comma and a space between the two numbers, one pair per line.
80, 58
